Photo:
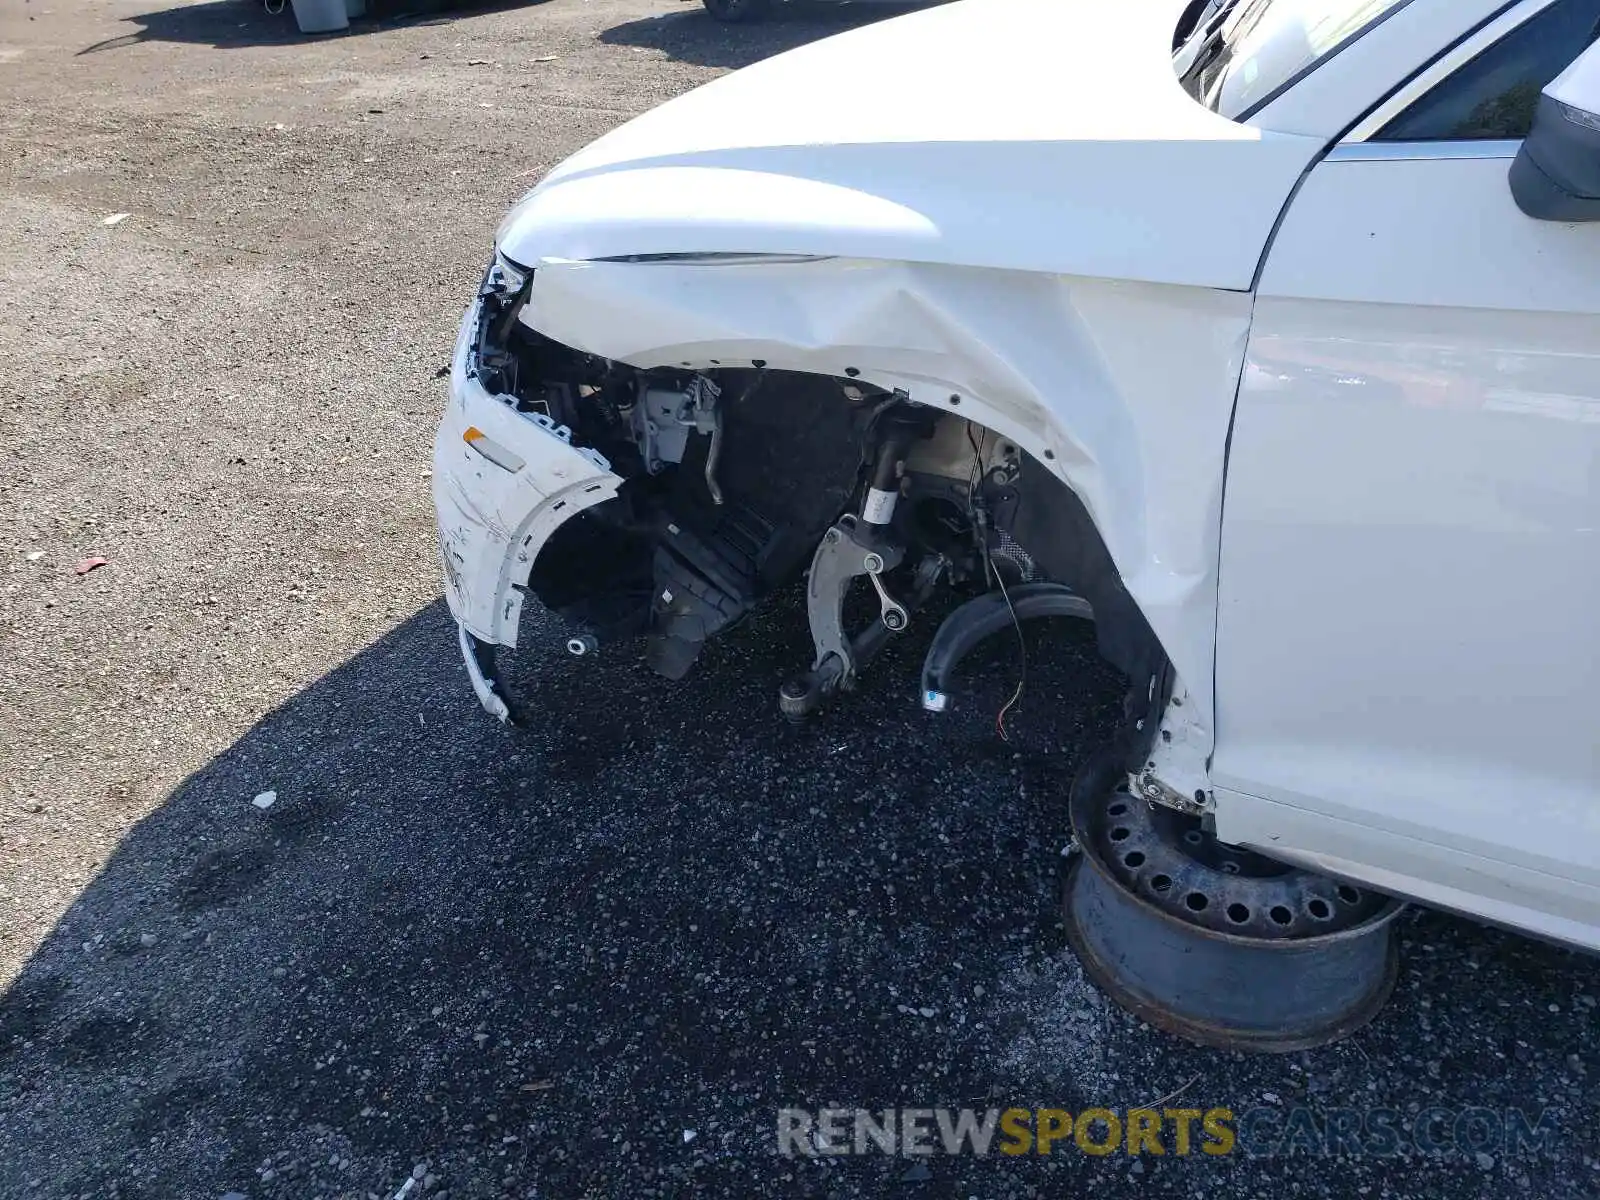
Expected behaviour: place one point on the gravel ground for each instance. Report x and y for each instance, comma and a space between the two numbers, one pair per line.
523, 963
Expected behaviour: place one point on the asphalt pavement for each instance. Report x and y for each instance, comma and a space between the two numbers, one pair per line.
596, 956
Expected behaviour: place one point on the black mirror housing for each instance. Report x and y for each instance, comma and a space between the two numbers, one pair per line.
1556, 175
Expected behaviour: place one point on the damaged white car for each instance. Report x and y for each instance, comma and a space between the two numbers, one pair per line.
1263, 333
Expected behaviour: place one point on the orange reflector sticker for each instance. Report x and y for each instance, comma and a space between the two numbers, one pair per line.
472, 434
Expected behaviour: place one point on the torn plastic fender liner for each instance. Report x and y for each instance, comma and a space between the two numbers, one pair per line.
1122, 390
984, 616
503, 482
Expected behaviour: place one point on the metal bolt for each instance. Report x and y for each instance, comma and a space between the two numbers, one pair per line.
873, 564
583, 643
1153, 790
895, 620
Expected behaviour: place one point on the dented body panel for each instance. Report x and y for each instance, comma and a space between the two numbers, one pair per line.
1059, 364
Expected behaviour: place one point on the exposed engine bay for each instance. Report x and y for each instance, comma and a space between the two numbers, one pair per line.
738, 480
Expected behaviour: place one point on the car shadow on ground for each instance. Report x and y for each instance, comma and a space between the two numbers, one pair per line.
235, 24
693, 36
594, 956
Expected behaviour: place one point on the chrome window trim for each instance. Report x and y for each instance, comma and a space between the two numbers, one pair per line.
1440, 69
1422, 151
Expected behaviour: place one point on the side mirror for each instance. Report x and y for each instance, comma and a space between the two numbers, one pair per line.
1556, 175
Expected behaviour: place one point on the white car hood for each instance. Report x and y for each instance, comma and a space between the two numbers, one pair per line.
1041, 135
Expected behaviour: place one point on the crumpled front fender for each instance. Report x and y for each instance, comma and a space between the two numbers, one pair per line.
1122, 390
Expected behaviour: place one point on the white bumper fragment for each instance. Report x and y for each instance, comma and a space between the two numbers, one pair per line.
503, 481
483, 687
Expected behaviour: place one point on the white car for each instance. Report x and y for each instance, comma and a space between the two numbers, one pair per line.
1264, 332
737, 12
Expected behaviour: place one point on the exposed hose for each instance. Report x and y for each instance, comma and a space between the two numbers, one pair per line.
983, 617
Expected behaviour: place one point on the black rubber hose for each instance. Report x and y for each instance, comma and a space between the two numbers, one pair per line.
983, 617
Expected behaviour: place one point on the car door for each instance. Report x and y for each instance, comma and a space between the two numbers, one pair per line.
1408, 644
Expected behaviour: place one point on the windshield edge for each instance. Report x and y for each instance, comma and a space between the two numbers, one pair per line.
1247, 113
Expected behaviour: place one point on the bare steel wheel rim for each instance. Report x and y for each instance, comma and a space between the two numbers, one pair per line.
1147, 910
1170, 860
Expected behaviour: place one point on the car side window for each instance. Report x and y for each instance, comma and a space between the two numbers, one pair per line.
1493, 95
